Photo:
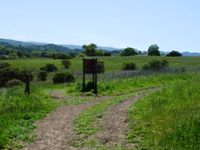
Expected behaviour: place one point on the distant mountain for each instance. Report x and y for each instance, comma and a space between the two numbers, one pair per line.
109, 48
31, 46
99, 47
17, 43
190, 54
183, 53
70, 46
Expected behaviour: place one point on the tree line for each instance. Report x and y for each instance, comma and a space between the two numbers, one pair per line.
8, 51
153, 50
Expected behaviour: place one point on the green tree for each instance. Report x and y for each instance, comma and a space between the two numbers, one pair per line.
174, 54
35, 54
99, 52
13, 56
128, 52
89, 50
153, 50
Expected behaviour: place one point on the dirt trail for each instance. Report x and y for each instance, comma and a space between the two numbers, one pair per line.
114, 125
56, 130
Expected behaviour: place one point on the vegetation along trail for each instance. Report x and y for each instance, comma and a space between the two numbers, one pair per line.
57, 130
114, 124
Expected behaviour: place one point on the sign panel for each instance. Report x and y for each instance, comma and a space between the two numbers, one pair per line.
90, 66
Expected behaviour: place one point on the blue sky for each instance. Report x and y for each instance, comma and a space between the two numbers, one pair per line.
171, 24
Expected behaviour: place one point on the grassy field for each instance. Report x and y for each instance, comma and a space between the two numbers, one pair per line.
167, 119
112, 64
18, 113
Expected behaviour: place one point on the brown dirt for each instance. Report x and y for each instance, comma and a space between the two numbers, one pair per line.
114, 125
55, 131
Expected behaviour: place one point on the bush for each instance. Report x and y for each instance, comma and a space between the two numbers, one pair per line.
129, 66
156, 65
66, 63
63, 77
8, 74
100, 67
107, 54
62, 56
81, 55
49, 68
89, 86
42, 74
4, 65
13, 82
23, 75
174, 54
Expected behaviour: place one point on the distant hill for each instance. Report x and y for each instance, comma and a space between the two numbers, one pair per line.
17, 43
99, 47
190, 54
184, 53
67, 48
40, 44
43, 47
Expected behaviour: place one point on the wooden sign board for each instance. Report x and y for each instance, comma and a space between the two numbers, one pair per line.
90, 66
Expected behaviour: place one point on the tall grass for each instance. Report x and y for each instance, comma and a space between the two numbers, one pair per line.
126, 85
19, 111
168, 119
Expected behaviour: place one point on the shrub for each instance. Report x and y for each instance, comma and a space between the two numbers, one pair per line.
100, 67
42, 74
174, 54
49, 68
156, 65
129, 66
81, 55
63, 77
107, 54
13, 82
23, 75
89, 86
66, 63
4, 65
8, 74
62, 56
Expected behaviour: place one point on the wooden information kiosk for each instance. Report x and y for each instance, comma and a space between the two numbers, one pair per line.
90, 67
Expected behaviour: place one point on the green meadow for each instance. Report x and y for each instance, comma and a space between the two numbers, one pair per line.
166, 119
112, 64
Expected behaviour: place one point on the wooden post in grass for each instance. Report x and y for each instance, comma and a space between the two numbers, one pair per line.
27, 88
90, 67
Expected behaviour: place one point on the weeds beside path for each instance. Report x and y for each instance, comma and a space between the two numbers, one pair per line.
57, 130
114, 124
